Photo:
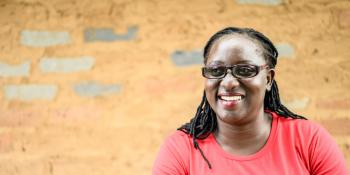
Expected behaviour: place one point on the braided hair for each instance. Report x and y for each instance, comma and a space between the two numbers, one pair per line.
204, 122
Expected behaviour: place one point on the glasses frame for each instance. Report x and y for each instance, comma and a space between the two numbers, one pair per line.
257, 68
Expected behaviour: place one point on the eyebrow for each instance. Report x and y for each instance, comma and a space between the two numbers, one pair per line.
222, 63
244, 61
216, 63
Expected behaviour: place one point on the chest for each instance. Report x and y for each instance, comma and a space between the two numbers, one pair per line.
277, 161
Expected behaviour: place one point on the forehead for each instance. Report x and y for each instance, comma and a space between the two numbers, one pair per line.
235, 49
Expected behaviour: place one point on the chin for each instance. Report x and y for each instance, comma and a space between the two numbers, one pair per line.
230, 116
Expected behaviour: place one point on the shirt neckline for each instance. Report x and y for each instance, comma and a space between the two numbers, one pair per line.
262, 151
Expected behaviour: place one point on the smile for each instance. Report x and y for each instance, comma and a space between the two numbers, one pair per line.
230, 101
231, 98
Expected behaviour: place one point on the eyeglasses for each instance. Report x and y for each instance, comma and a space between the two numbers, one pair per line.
240, 71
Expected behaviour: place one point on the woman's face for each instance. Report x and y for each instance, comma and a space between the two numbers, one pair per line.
237, 100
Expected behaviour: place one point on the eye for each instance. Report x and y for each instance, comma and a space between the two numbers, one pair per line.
216, 71
246, 70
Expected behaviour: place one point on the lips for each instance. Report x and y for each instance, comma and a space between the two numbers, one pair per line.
230, 100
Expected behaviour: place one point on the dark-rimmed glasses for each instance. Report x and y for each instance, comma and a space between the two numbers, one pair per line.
240, 71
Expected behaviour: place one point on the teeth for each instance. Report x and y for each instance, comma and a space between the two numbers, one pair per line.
231, 98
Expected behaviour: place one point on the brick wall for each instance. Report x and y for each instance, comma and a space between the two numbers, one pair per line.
93, 87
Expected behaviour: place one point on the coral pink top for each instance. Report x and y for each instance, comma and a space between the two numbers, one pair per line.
294, 147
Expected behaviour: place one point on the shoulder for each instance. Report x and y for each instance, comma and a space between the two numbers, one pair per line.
178, 139
178, 135
305, 132
173, 155
301, 126
314, 143
299, 132
177, 144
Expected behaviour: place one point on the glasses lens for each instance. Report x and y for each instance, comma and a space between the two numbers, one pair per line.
245, 71
214, 72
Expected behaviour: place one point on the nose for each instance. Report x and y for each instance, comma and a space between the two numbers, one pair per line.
229, 81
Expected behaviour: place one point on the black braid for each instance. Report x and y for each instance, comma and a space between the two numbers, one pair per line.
204, 122
200, 127
273, 103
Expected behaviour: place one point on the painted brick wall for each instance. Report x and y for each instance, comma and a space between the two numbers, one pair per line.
93, 87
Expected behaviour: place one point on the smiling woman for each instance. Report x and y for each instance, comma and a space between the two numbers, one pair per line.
241, 127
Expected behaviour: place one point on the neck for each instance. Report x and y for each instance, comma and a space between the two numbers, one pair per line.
244, 139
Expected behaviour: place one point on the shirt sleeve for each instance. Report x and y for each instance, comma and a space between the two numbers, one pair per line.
326, 158
171, 158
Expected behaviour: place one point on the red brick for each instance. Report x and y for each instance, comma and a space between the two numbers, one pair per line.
337, 126
344, 18
23, 166
6, 142
19, 117
35, 116
334, 104
178, 84
74, 113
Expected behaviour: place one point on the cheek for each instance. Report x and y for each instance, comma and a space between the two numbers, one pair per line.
258, 85
210, 84
211, 88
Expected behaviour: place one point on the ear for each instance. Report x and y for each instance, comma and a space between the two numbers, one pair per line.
270, 77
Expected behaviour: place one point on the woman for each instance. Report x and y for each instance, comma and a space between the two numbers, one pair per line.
241, 127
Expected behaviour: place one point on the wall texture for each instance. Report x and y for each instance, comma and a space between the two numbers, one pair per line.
93, 87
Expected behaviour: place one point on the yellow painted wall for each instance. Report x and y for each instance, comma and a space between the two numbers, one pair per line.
120, 133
